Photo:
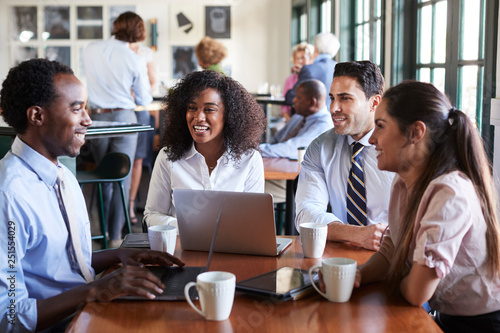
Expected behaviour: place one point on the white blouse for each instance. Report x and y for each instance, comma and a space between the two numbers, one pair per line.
191, 172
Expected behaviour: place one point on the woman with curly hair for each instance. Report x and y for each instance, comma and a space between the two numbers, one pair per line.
212, 130
443, 242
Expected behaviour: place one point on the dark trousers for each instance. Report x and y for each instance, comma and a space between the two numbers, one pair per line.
488, 322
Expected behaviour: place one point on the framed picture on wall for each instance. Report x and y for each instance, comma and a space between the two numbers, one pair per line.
89, 22
183, 61
115, 11
56, 22
59, 53
22, 53
24, 23
185, 24
218, 21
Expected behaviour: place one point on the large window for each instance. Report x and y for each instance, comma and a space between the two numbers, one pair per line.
310, 18
362, 27
450, 50
368, 31
299, 23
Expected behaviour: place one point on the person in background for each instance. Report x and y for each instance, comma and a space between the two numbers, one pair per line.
213, 129
49, 268
302, 55
143, 117
310, 120
210, 53
443, 241
340, 166
326, 46
112, 68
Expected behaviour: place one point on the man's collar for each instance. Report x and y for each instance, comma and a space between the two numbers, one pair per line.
363, 140
319, 113
322, 56
42, 166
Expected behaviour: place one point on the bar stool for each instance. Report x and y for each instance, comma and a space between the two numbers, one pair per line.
114, 168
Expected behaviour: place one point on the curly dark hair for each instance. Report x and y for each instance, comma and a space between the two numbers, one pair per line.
129, 27
244, 119
28, 84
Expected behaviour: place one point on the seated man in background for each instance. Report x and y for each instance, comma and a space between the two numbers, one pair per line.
340, 166
50, 270
310, 120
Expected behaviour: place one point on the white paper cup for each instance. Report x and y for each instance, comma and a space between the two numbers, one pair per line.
216, 291
162, 238
338, 275
300, 154
313, 239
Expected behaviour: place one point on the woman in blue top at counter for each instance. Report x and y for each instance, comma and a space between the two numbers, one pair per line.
212, 131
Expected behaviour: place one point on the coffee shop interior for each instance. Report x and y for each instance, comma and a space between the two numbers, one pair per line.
453, 44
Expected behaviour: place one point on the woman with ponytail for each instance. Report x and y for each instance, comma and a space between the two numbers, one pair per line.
443, 241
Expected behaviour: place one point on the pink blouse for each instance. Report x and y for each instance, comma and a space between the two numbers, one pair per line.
289, 83
449, 236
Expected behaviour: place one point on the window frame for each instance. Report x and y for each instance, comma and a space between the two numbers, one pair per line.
405, 59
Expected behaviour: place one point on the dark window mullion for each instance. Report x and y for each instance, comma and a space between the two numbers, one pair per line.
482, 17
453, 79
372, 30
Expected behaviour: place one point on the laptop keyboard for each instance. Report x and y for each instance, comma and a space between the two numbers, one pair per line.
175, 279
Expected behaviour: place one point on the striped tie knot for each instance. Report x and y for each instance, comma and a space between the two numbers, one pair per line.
356, 197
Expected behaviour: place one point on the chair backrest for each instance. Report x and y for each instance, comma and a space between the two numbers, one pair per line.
5, 143
114, 166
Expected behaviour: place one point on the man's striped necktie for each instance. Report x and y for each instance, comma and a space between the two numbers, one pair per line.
356, 194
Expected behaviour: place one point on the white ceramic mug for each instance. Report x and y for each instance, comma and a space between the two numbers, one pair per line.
162, 238
338, 275
216, 291
313, 239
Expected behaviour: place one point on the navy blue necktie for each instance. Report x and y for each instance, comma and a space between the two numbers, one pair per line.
356, 194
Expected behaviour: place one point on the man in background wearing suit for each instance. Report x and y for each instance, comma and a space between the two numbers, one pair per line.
326, 46
310, 120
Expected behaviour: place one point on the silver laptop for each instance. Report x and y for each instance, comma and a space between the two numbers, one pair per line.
175, 278
246, 225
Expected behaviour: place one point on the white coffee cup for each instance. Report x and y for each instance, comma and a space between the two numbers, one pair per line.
300, 154
216, 291
313, 239
162, 238
338, 275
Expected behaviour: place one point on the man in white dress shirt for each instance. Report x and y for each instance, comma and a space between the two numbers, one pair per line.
325, 173
44, 281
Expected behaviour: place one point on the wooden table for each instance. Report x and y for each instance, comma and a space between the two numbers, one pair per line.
370, 308
283, 168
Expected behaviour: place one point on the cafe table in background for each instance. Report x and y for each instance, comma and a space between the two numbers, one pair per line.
285, 169
266, 103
